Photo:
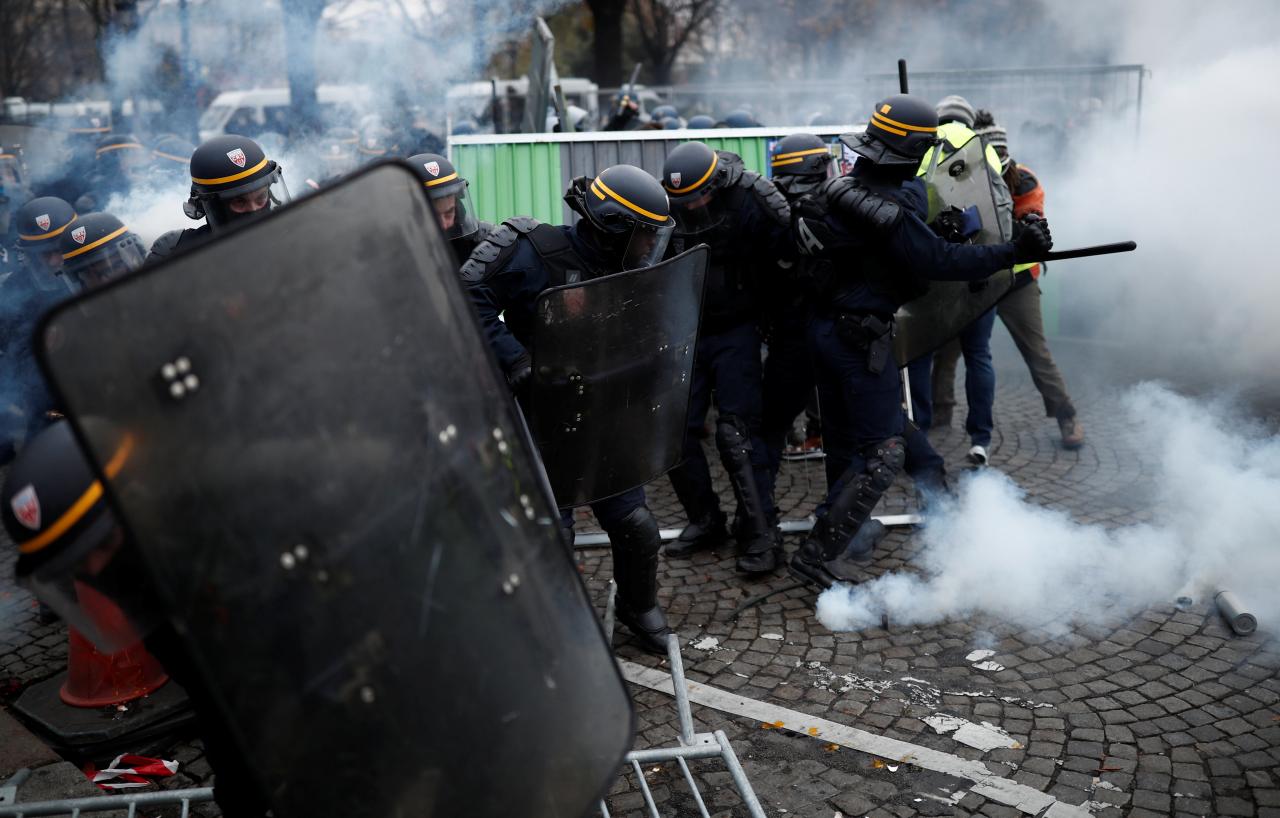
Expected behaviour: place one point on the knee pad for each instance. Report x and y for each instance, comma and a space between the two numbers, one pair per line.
884, 460
733, 438
637, 530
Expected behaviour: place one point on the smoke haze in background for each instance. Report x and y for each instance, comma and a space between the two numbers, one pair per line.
1216, 525
1200, 298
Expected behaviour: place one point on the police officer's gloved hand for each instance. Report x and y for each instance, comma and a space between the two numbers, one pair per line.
519, 372
1032, 240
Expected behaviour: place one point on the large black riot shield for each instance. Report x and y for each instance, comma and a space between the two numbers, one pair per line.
613, 365
329, 486
962, 179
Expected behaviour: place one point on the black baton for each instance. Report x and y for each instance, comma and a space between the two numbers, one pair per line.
1096, 250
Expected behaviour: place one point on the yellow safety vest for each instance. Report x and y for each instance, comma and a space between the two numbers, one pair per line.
958, 135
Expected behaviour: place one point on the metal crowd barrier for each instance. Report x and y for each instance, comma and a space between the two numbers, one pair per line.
75, 806
689, 745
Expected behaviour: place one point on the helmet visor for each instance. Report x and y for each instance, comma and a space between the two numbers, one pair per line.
647, 244
98, 590
122, 259
454, 212
696, 213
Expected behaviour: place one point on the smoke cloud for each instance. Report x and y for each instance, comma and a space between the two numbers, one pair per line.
1216, 525
1198, 300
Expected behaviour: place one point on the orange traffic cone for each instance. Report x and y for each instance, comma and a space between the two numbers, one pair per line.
97, 679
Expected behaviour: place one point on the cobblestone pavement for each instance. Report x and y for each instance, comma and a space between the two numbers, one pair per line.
1164, 713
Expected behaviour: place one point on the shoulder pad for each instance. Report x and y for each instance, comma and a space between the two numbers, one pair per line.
522, 224
768, 197
733, 166
484, 259
852, 201
483, 229
165, 246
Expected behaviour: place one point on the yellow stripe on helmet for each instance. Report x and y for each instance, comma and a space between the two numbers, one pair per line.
235, 177
605, 189
715, 160
48, 235
81, 506
79, 251
887, 123
798, 154
442, 180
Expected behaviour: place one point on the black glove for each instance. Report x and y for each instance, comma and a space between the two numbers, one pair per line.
519, 372
1031, 240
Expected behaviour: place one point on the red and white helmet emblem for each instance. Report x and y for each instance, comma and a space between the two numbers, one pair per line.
43, 222
433, 168
237, 157
26, 507
675, 179
77, 235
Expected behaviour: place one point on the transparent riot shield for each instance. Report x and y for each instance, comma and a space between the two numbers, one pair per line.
328, 486
963, 180
613, 365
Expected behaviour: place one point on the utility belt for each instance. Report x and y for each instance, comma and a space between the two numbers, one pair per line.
864, 330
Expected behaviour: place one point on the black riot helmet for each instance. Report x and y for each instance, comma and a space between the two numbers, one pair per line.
71, 549
448, 192
170, 157
41, 223
231, 178
740, 118
98, 247
627, 214
901, 131
701, 122
663, 111
121, 154
800, 163
692, 174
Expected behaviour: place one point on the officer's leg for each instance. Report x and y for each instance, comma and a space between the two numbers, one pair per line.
943, 384
692, 478
738, 382
874, 399
634, 539
979, 379
788, 386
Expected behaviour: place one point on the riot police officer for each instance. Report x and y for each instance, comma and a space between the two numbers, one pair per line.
231, 180
69, 540
170, 156
624, 225
120, 160
27, 293
451, 199
882, 256
746, 223
98, 247
800, 163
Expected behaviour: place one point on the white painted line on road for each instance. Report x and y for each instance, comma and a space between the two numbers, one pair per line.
986, 783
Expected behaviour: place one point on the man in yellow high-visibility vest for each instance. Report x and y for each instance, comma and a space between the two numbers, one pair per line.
955, 130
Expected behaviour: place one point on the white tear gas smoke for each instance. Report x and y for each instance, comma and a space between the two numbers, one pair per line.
1200, 298
1216, 525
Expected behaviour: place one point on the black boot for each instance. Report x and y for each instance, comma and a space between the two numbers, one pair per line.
701, 534
820, 560
761, 555
635, 544
758, 548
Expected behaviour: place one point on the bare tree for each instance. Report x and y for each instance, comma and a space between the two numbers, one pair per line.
665, 27
607, 44
25, 59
